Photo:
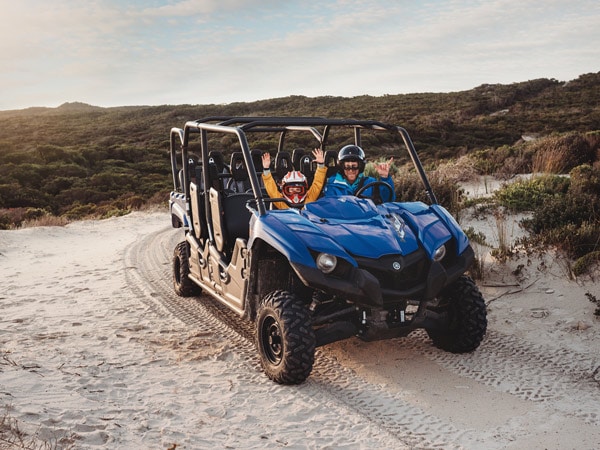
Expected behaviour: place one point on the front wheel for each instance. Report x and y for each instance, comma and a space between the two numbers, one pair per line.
182, 284
467, 318
285, 338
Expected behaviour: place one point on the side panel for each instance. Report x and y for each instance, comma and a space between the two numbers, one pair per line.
196, 213
177, 208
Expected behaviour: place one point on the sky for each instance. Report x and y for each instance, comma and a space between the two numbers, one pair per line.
171, 52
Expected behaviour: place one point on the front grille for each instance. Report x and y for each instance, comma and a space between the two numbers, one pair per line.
413, 270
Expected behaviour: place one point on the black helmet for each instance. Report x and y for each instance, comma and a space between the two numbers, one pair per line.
351, 153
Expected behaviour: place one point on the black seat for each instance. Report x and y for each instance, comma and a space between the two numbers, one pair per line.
307, 168
257, 161
237, 216
283, 164
297, 155
216, 157
330, 160
239, 181
192, 163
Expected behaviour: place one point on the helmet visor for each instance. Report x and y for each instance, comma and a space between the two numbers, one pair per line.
294, 192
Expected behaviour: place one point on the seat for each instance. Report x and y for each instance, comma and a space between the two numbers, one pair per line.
297, 155
216, 157
214, 179
230, 219
307, 168
192, 163
257, 159
330, 160
237, 216
283, 165
239, 181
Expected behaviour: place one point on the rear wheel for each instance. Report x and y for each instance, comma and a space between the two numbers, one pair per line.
467, 318
181, 269
285, 338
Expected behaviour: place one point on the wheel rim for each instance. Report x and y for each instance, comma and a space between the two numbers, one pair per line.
272, 341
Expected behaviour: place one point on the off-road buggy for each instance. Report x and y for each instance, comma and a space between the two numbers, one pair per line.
340, 267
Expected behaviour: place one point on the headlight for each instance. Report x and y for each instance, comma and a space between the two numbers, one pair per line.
439, 253
326, 262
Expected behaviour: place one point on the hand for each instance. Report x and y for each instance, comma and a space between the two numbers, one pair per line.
319, 155
383, 169
266, 160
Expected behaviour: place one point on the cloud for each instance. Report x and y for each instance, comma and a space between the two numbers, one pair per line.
113, 52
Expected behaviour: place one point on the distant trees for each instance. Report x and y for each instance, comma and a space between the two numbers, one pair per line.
83, 158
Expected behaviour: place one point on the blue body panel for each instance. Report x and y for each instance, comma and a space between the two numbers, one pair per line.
292, 234
350, 227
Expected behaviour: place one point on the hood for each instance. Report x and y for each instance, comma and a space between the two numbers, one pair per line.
358, 226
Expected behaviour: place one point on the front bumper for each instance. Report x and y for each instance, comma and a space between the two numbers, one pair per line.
376, 283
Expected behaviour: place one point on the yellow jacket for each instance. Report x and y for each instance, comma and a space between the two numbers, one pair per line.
313, 192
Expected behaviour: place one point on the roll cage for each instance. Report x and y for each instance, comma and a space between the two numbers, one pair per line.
320, 128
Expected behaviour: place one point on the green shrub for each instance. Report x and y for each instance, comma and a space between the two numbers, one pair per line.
586, 262
78, 211
585, 179
475, 236
527, 195
574, 240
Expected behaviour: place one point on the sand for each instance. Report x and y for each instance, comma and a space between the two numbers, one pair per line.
97, 352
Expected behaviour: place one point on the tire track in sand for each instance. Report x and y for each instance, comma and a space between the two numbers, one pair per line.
504, 363
148, 272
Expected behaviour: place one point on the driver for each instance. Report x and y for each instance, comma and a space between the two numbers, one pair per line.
294, 186
350, 177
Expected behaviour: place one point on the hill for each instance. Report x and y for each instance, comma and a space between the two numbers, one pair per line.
71, 159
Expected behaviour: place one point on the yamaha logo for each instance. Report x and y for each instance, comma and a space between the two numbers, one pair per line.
396, 265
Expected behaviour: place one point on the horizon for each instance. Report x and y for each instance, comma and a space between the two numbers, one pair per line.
201, 52
84, 104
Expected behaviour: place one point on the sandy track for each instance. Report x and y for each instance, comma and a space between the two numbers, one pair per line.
510, 393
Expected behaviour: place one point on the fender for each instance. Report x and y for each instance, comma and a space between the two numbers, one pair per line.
462, 240
431, 230
294, 236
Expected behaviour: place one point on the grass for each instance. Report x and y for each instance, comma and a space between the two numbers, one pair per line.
12, 437
592, 298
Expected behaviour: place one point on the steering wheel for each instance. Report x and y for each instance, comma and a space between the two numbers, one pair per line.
373, 197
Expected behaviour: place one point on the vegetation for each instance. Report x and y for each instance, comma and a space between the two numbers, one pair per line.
77, 160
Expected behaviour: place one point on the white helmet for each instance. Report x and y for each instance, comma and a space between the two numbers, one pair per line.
294, 187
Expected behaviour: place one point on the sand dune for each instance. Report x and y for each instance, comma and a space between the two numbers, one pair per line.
97, 352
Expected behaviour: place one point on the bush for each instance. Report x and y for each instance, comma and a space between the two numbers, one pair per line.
79, 212
585, 263
585, 180
527, 195
11, 217
504, 161
561, 153
409, 188
570, 221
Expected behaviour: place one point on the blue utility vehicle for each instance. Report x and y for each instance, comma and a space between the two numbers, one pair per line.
338, 268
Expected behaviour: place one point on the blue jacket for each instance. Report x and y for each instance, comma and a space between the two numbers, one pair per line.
337, 185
